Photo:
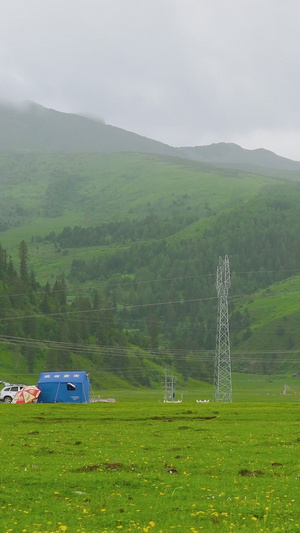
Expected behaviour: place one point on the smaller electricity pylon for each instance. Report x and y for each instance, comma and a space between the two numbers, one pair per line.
222, 371
169, 388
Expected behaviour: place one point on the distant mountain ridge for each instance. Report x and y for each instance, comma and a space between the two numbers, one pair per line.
233, 156
32, 127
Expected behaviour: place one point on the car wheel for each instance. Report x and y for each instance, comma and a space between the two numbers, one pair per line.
7, 399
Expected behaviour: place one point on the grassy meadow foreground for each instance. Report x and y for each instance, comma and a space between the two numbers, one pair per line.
151, 467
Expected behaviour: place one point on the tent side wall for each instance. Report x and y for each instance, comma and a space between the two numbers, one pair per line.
48, 392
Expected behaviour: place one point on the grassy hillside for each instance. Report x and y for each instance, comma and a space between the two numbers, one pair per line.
31, 127
270, 341
40, 193
159, 280
260, 161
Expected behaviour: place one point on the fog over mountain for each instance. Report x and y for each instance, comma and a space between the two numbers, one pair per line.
32, 127
186, 73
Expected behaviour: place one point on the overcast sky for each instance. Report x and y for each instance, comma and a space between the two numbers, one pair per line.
184, 72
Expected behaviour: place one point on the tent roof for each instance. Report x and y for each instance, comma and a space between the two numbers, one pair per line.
63, 377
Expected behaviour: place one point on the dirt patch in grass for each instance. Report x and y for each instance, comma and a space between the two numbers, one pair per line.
162, 418
167, 419
253, 473
88, 468
65, 419
114, 465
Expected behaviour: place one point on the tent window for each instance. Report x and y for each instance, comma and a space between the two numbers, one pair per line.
70, 386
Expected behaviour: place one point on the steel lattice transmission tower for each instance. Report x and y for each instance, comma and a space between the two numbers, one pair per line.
222, 372
169, 389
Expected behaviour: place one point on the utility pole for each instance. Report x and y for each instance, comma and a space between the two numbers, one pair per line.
222, 372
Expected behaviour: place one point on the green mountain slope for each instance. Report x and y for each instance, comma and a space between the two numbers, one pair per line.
132, 240
159, 275
261, 237
265, 329
31, 127
34, 128
229, 155
45, 192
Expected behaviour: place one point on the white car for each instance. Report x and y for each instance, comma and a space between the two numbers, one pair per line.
9, 391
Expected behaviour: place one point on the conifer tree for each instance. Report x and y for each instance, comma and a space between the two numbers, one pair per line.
23, 256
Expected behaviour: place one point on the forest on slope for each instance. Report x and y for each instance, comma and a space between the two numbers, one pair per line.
152, 303
41, 329
163, 288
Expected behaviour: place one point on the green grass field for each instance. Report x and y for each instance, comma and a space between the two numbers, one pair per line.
148, 466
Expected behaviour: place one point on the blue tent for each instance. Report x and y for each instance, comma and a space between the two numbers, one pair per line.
64, 387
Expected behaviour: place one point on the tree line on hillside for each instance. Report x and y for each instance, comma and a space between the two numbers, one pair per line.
30, 311
106, 234
38, 322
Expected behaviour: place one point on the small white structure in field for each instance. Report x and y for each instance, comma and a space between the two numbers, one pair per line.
169, 389
286, 390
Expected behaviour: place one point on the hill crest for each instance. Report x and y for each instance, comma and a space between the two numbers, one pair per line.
32, 127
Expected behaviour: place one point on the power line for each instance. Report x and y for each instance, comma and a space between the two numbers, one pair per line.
132, 283
136, 306
132, 352
114, 308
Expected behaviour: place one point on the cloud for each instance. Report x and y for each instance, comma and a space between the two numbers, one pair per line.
185, 72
